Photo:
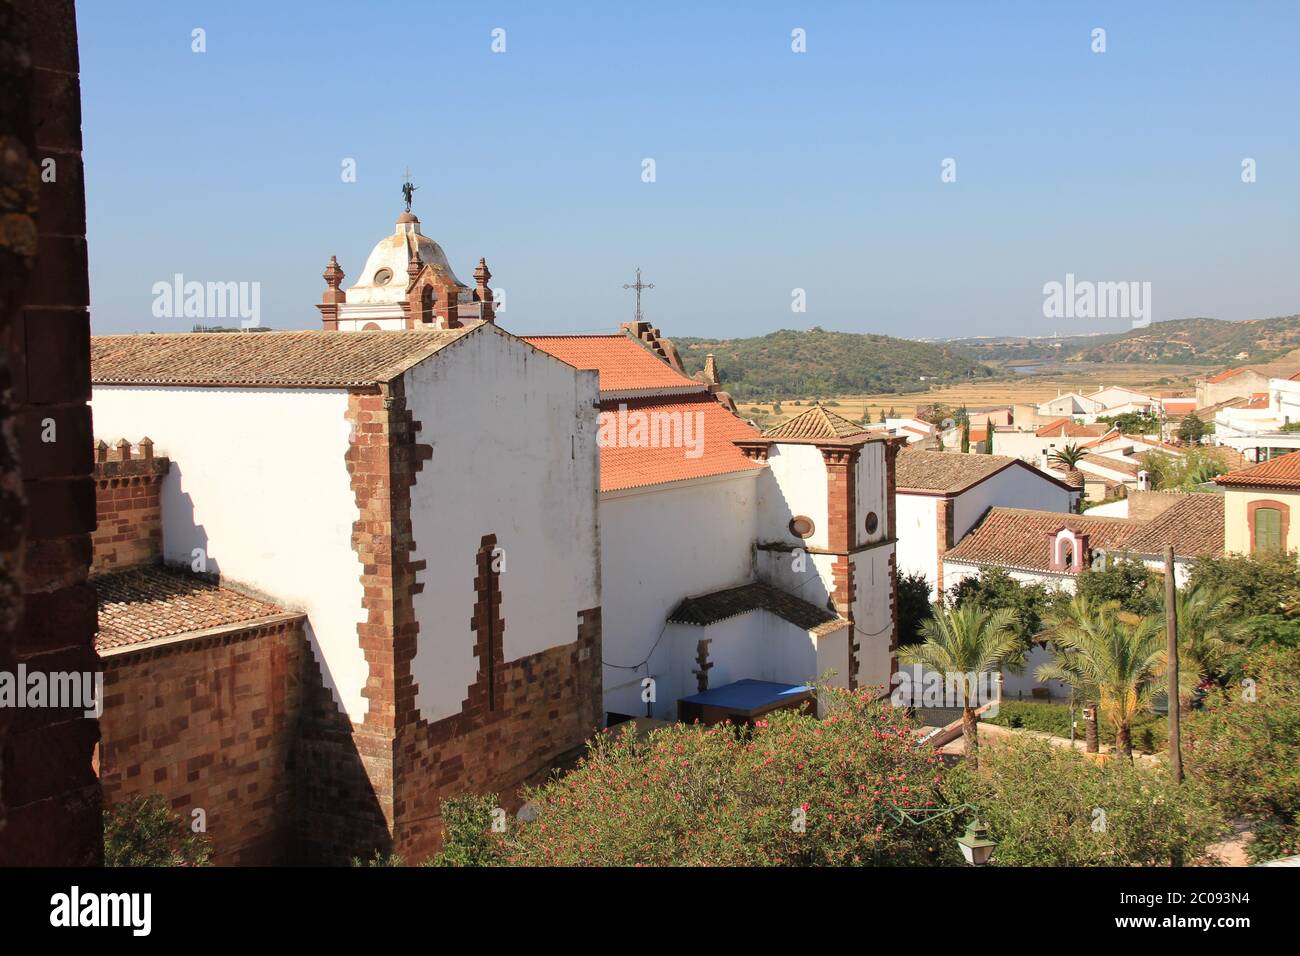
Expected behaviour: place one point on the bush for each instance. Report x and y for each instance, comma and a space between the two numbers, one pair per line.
794, 791
1150, 732
467, 831
1049, 806
1246, 752
144, 832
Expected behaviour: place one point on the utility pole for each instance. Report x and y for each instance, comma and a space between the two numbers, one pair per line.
1171, 622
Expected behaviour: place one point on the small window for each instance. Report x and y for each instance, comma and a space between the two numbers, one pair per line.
873, 522
383, 276
1268, 529
801, 526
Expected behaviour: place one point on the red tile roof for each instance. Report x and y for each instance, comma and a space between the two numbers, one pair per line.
264, 359
1017, 537
1069, 428
625, 365
948, 472
623, 466
1280, 472
146, 603
1179, 406
1225, 375
816, 422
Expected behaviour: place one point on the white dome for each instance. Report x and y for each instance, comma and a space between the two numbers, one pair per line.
384, 278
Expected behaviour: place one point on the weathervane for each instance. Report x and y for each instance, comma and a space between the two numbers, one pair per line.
408, 189
638, 285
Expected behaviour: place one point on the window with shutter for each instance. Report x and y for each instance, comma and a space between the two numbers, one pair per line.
1268, 529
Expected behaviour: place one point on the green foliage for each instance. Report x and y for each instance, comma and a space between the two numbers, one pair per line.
1191, 429
995, 588
384, 860
789, 363
1098, 648
1182, 473
1150, 730
913, 606
144, 832
1066, 457
1041, 804
691, 795
1137, 588
1257, 584
1243, 746
467, 831
1133, 423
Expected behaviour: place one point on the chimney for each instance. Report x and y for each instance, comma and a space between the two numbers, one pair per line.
332, 297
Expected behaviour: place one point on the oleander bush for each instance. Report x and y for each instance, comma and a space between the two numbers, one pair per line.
792, 791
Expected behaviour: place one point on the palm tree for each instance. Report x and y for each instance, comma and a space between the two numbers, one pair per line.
965, 641
1110, 652
1206, 625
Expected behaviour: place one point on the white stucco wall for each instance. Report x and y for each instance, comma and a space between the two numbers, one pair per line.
796, 485
756, 645
658, 546
1015, 487
513, 432
259, 482
918, 549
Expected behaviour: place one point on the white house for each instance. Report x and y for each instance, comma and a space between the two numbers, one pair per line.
1258, 428
941, 495
1054, 549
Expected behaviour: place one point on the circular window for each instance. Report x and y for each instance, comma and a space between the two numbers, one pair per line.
801, 526
873, 522
383, 276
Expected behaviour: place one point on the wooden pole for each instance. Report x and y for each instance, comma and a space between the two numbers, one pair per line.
1171, 621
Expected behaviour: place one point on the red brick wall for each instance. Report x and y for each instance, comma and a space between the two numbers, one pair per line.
128, 511
48, 790
211, 724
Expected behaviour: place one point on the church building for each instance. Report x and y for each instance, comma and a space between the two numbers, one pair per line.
470, 549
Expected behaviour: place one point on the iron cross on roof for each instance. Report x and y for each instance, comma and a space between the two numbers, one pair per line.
638, 285
408, 189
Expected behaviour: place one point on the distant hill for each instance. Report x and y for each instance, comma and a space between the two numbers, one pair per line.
819, 364
1211, 342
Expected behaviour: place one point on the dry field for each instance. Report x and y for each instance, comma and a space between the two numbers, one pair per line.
1157, 379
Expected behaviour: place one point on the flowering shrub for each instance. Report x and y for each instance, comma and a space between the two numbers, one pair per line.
1048, 806
792, 791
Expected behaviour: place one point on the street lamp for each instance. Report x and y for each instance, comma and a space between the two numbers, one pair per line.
975, 844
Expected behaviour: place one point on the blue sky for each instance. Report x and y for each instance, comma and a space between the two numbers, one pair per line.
774, 170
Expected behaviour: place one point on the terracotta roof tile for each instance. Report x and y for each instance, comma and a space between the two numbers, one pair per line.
708, 609
1069, 428
1225, 375
947, 471
1115, 464
264, 359
624, 364
1280, 472
1017, 537
146, 603
816, 422
623, 466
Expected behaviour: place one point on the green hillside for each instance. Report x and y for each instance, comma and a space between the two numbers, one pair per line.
1212, 342
820, 364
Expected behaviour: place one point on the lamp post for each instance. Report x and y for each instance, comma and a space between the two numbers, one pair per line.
975, 844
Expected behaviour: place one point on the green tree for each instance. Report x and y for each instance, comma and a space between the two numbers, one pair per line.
1207, 627
1191, 429
1098, 646
994, 588
913, 606
1133, 423
965, 641
965, 437
1136, 588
